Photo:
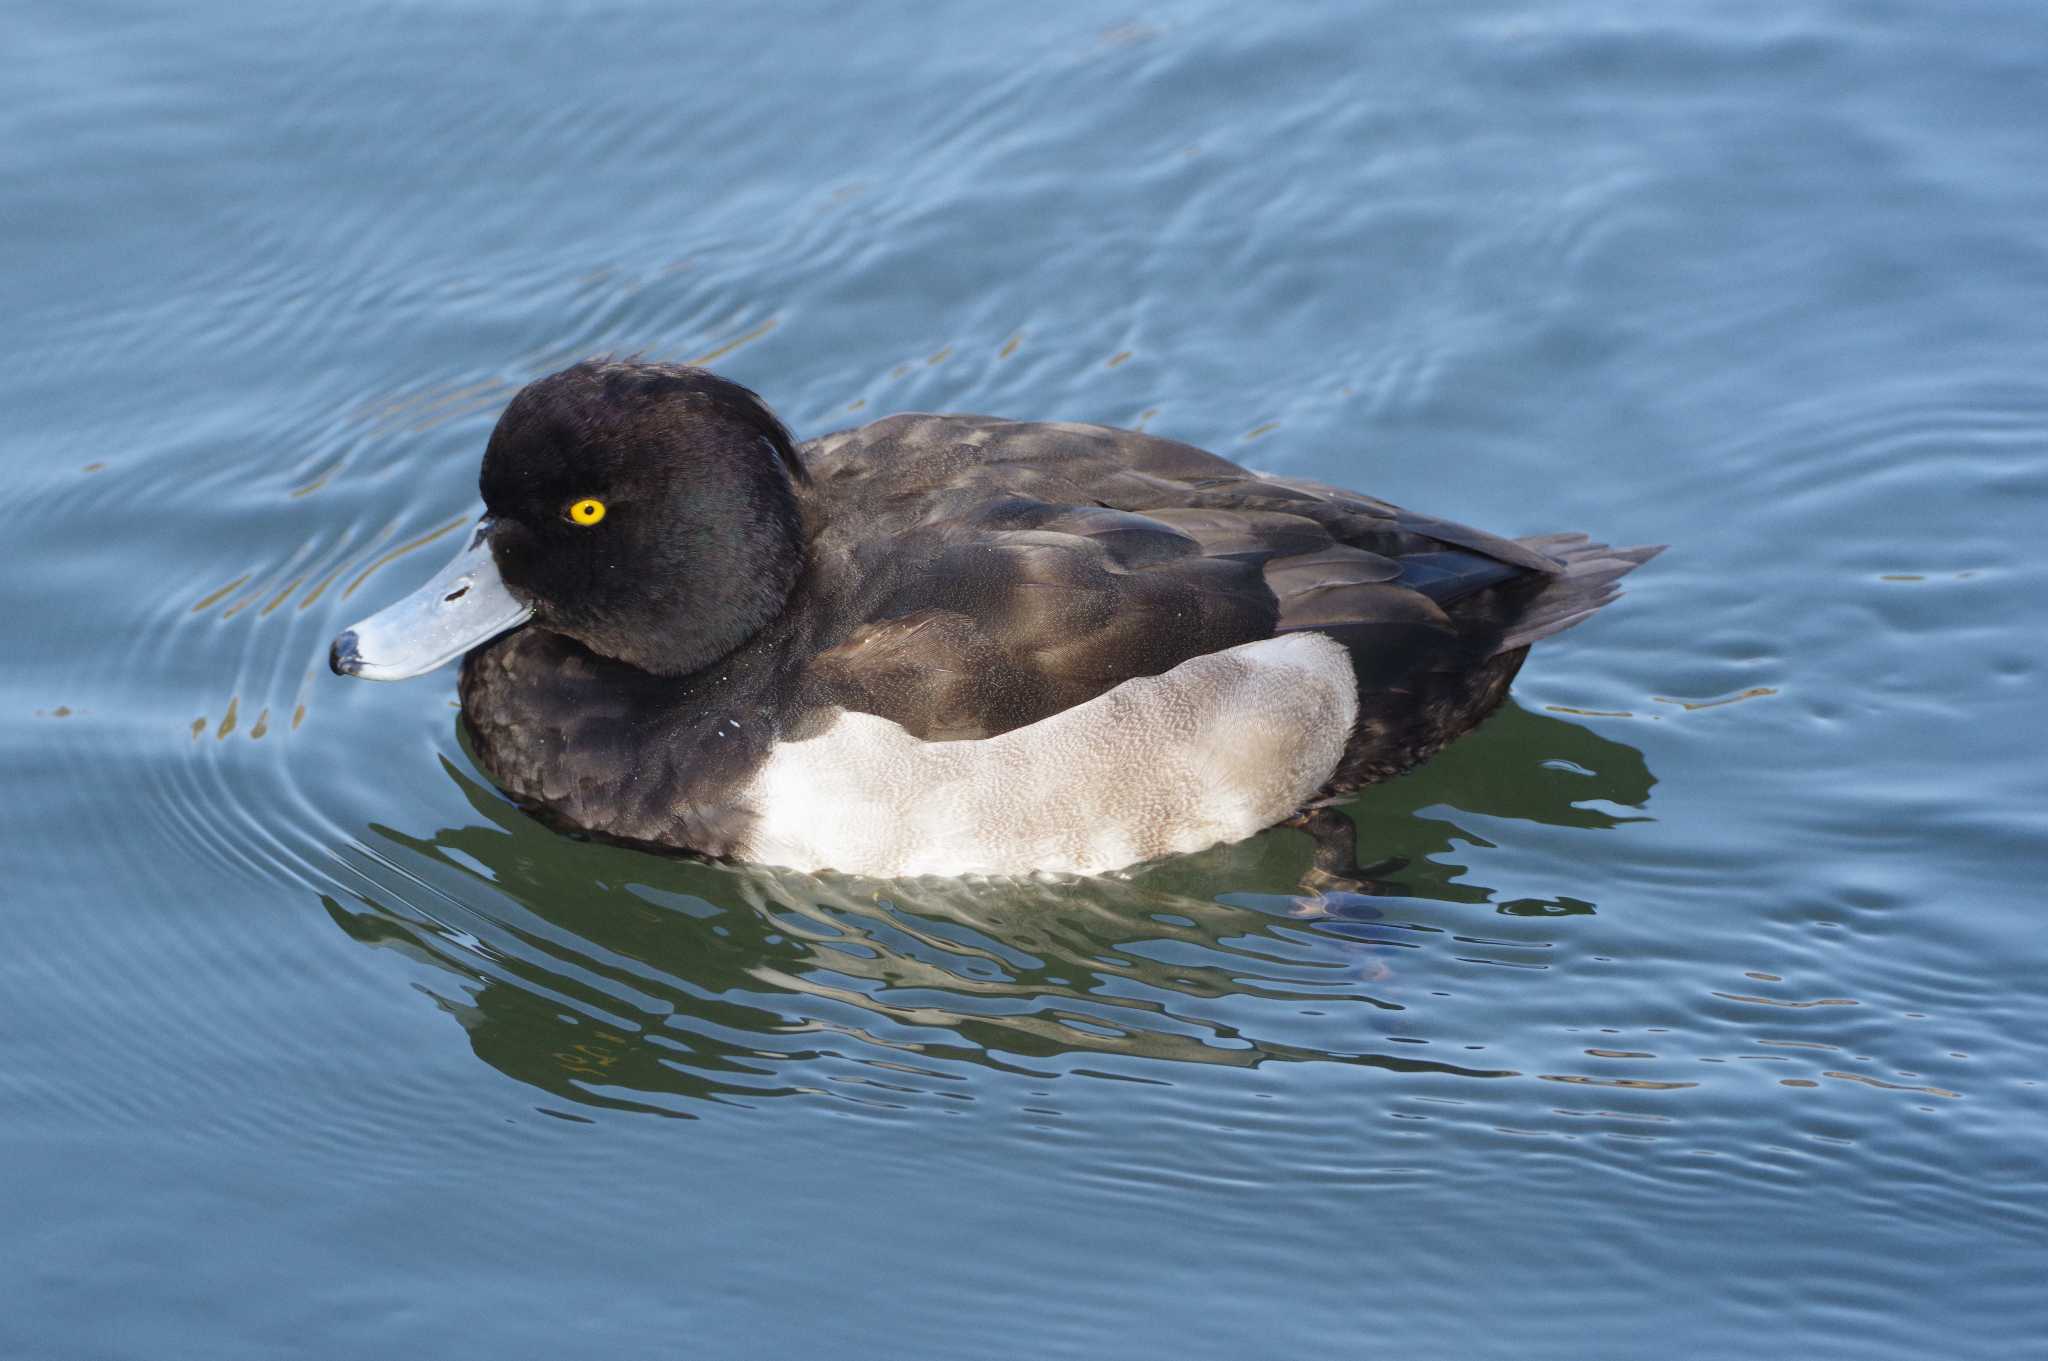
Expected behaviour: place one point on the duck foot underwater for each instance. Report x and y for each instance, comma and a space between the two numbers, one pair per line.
949, 644
1333, 866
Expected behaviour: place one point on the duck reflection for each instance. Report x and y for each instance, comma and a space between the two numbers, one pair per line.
612, 978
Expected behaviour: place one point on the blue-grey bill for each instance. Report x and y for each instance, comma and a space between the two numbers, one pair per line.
466, 604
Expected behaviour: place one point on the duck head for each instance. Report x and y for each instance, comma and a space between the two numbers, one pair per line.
649, 511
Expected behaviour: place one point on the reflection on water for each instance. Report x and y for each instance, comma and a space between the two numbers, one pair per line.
1765, 286
613, 978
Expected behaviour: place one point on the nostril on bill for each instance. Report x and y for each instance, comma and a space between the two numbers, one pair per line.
456, 594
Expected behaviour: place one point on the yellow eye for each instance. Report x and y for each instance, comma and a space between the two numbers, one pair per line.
588, 511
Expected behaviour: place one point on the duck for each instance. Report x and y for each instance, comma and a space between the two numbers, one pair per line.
943, 644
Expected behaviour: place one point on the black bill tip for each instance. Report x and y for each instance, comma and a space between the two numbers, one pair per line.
343, 656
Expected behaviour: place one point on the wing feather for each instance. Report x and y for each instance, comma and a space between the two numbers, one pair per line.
1009, 570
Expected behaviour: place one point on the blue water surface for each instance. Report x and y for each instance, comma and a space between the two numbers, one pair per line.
1706, 1019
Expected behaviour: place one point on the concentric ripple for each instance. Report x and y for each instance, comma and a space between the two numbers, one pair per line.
1694, 1004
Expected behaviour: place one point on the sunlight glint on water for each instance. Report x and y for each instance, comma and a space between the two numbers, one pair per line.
1702, 1017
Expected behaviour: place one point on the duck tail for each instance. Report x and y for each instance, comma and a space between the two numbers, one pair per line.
1586, 580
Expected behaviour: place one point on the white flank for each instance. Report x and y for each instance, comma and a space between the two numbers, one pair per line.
1214, 750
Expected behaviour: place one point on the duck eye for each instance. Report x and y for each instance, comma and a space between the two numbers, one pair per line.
586, 512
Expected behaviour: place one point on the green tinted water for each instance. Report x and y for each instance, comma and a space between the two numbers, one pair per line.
1706, 1017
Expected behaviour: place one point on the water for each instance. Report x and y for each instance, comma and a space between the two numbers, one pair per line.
1706, 1018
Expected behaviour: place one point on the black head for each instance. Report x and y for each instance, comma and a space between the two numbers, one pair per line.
646, 510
